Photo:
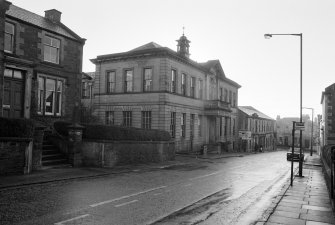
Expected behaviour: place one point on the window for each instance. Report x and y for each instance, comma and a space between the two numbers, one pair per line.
225, 126
109, 117
183, 124
200, 86
200, 125
183, 84
146, 119
18, 74
147, 80
192, 87
173, 124
110, 78
221, 123
192, 125
49, 96
127, 118
234, 99
221, 94
9, 37
225, 95
230, 97
173, 81
51, 49
128, 81
86, 90
233, 126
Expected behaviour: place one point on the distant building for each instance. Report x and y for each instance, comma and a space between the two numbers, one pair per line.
40, 65
328, 116
154, 87
284, 128
256, 129
87, 84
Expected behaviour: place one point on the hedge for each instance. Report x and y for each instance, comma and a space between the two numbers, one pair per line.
10, 127
117, 133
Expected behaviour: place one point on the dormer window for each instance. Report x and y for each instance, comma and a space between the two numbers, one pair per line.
51, 49
9, 37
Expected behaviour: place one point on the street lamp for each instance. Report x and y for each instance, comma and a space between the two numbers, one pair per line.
312, 129
268, 36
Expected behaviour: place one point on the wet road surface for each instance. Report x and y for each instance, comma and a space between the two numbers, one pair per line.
231, 186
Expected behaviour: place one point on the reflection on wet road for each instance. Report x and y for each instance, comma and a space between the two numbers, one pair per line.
218, 191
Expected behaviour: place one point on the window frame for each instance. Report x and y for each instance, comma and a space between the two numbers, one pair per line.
110, 84
173, 87
50, 46
57, 95
192, 87
200, 88
146, 120
183, 125
145, 80
127, 118
126, 82
108, 116
183, 84
11, 35
173, 124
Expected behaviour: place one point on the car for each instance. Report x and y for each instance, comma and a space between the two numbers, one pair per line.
296, 155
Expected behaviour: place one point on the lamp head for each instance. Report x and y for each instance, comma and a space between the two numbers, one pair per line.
267, 36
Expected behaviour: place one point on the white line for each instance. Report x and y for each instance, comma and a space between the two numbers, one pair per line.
75, 218
158, 193
207, 175
126, 196
186, 185
126, 203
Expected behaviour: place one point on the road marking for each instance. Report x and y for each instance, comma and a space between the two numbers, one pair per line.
158, 193
126, 203
75, 218
207, 175
186, 185
126, 196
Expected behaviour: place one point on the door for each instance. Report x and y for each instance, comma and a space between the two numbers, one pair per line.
212, 129
13, 98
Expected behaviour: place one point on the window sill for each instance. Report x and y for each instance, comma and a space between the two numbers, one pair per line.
51, 64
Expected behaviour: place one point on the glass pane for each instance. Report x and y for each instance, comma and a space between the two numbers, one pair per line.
49, 101
129, 75
18, 74
47, 53
55, 42
50, 85
59, 85
8, 73
47, 40
147, 74
53, 55
8, 43
40, 100
9, 28
58, 102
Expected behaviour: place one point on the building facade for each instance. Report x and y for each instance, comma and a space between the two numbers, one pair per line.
284, 128
154, 87
40, 65
256, 129
327, 125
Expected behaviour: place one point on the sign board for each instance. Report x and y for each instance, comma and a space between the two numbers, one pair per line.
245, 135
299, 126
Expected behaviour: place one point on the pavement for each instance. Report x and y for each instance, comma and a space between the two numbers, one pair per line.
307, 202
69, 173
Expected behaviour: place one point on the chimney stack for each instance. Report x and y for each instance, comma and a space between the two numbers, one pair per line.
53, 15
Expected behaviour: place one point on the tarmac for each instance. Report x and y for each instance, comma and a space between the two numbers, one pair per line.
307, 202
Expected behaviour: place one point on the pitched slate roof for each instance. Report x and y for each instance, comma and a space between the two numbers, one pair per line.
250, 111
150, 45
40, 21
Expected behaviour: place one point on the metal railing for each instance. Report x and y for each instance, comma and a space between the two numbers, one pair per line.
328, 163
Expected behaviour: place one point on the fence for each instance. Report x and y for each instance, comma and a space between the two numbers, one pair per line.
328, 161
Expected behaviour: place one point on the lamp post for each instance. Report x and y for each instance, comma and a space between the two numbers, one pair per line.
312, 129
268, 36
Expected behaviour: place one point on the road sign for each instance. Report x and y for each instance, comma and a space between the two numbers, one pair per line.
245, 135
299, 126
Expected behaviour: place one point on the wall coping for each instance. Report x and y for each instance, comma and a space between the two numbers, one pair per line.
125, 141
15, 139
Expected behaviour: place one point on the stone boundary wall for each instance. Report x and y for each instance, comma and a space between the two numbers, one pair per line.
15, 155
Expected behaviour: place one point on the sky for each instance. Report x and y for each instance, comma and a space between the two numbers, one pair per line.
231, 31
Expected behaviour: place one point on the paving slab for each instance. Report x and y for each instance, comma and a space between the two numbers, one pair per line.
324, 219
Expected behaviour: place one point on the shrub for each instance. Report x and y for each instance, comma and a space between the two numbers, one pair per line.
116, 133
10, 127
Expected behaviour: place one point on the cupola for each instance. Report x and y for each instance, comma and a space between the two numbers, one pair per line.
183, 46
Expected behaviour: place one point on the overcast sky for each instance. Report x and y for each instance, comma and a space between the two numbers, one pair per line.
229, 30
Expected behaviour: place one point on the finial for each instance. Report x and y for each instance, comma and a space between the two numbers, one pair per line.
183, 31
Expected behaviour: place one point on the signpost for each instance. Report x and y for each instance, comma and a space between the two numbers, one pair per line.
296, 126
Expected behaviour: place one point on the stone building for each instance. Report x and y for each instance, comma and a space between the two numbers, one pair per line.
40, 65
327, 125
284, 128
154, 87
256, 129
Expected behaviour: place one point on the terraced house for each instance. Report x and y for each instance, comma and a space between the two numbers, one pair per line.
40, 65
154, 87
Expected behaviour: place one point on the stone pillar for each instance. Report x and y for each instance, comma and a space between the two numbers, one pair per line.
75, 136
37, 147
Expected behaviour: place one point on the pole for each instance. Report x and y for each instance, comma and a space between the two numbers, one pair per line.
300, 156
312, 140
293, 130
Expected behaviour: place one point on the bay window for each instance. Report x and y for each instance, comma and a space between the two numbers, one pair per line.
49, 96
